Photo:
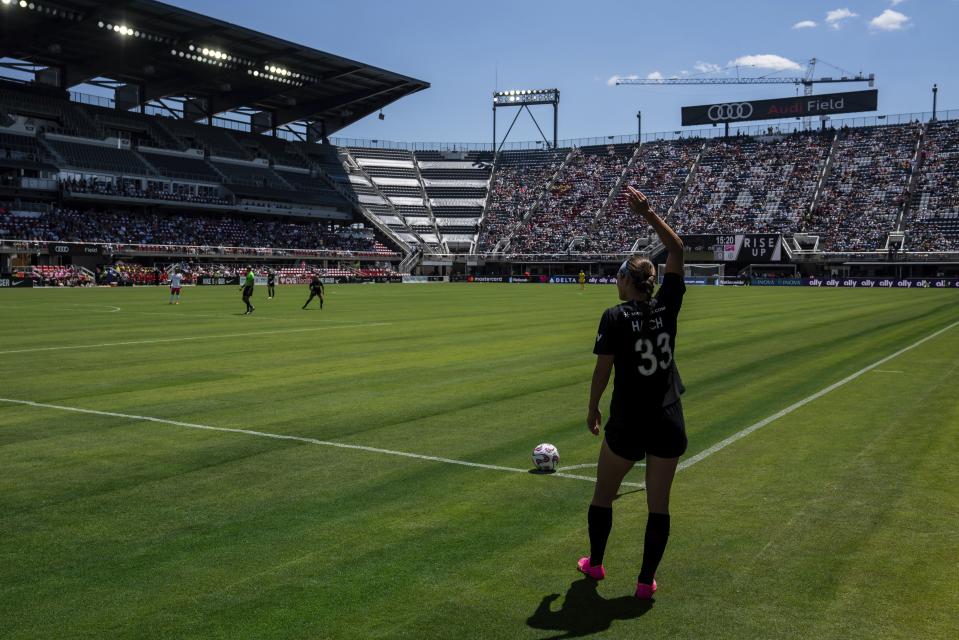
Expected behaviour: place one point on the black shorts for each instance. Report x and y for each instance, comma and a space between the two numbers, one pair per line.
247, 292
663, 437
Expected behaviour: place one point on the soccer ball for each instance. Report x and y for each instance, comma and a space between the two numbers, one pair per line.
545, 457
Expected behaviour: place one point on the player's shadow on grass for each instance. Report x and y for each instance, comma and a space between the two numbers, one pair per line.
585, 612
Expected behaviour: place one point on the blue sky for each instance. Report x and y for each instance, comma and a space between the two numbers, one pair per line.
466, 49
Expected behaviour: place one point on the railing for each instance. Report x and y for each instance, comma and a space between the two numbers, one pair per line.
124, 247
779, 127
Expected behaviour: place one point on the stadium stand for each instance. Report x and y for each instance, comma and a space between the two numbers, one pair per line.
865, 188
849, 188
456, 186
659, 170
519, 181
97, 156
183, 166
933, 223
757, 184
128, 227
575, 200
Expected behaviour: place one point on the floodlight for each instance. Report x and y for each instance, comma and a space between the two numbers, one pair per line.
9, 1
23, 4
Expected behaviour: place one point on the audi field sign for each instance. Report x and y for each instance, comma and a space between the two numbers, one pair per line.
797, 107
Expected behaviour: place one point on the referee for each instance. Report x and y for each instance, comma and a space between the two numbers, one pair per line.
316, 291
247, 289
638, 338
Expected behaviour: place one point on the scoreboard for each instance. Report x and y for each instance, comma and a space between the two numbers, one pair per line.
759, 248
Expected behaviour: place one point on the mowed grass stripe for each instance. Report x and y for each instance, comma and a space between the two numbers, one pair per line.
268, 540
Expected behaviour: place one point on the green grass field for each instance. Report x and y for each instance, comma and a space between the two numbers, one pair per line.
838, 520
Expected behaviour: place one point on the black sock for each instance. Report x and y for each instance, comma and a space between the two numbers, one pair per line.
657, 534
600, 520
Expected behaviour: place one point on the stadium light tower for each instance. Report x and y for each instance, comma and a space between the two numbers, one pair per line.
524, 99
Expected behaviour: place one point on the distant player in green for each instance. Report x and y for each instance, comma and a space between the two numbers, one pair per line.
247, 289
582, 281
316, 291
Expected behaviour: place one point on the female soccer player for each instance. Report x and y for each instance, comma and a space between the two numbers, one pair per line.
638, 337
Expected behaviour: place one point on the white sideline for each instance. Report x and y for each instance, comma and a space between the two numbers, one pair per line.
685, 464
277, 436
739, 435
206, 337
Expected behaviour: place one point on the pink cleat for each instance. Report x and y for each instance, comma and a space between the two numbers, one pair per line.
596, 573
645, 591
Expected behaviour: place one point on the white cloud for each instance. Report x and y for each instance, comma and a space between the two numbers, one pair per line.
655, 75
889, 20
897, 2
614, 79
707, 67
836, 17
766, 61
805, 24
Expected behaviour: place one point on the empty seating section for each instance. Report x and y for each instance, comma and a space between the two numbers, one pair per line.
184, 167
456, 185
660, 169
277, 149
217, 141
140, 129
52, 113
98, 157
933, 223
251, 175
393, 174
20, 147
865, 189
305, 182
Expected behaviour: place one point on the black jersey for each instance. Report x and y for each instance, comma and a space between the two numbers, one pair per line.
643, 340
316, 285
271, 279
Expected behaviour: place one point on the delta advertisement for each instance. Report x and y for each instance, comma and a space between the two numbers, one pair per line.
737, 281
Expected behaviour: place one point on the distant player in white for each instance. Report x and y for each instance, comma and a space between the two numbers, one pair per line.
175, 281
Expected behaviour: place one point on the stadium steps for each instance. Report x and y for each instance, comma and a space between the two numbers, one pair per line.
915, 167
88, 121
351, 166
675, 203
503, 244
48, 148
824, 174
610, 199
426, 202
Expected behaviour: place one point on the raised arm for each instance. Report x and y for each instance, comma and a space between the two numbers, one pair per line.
674, 245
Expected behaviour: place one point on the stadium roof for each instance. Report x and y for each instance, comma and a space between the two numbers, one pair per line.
171, 52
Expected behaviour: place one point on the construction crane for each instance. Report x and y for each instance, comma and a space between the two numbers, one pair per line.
807, 81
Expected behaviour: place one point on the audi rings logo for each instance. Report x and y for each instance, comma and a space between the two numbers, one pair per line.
61, 248
730, 111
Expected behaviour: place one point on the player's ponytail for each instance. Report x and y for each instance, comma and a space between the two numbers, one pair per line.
642, 274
